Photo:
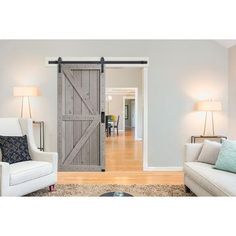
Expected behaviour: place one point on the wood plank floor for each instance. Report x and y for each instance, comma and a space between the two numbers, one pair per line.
123, 152
123, 166
134, 177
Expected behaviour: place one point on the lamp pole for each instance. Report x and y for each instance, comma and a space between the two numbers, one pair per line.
204, 130
22, 106
212, 123
29, 107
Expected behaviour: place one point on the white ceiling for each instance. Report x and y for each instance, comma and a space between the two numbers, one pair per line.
226, 42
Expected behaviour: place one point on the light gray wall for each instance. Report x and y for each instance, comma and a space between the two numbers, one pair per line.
180, 73
232, 92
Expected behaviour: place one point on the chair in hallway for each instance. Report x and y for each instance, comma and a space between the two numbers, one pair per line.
108, 125
116, 125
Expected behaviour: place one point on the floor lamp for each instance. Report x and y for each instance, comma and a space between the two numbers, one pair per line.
209, 107
25, 92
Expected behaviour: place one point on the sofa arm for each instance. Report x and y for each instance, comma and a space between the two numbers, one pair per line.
51, 157
4, 177
192, 151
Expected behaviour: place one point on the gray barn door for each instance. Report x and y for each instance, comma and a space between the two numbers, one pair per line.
81, 101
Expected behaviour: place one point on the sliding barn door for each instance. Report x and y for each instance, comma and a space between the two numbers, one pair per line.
81, 106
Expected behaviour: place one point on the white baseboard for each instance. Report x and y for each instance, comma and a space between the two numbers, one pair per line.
167, 168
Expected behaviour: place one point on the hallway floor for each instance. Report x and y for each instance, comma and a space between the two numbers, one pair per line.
123, 152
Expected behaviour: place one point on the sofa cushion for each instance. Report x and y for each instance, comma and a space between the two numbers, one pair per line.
9, 127
28, 170
209, 152
192, 151
227, 157
14, 149
216, 182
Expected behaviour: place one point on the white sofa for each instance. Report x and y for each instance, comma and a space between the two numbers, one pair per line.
202, 179
21, 178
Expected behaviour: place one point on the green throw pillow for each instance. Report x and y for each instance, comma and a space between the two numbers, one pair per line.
227, 157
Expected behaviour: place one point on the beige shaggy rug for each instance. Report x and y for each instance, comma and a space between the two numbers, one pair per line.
70, 190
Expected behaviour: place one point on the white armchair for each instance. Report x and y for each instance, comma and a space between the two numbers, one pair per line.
21, 178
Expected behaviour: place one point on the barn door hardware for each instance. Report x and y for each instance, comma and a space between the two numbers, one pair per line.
102, 62
59, 64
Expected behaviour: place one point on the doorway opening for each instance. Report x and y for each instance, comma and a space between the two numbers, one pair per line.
124, 109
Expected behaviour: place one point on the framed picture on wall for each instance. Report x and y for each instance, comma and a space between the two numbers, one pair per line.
126, 112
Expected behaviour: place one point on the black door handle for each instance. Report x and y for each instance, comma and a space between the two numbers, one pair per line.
102, 117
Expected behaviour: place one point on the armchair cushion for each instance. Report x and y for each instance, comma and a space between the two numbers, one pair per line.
28, 170
14, 149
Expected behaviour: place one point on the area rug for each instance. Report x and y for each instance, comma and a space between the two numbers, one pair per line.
70, 190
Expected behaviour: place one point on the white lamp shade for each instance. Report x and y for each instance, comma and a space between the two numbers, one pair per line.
209, 106
26, 91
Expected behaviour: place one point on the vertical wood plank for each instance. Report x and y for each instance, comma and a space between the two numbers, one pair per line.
77, 125
69, 97
63, 111
85, 111
95, 99
60, 135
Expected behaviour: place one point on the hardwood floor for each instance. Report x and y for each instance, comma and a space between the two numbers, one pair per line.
123, 152
134, 177
123, 166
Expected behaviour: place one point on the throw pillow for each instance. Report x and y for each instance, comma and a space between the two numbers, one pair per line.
210, 152
14, 149
227, 157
